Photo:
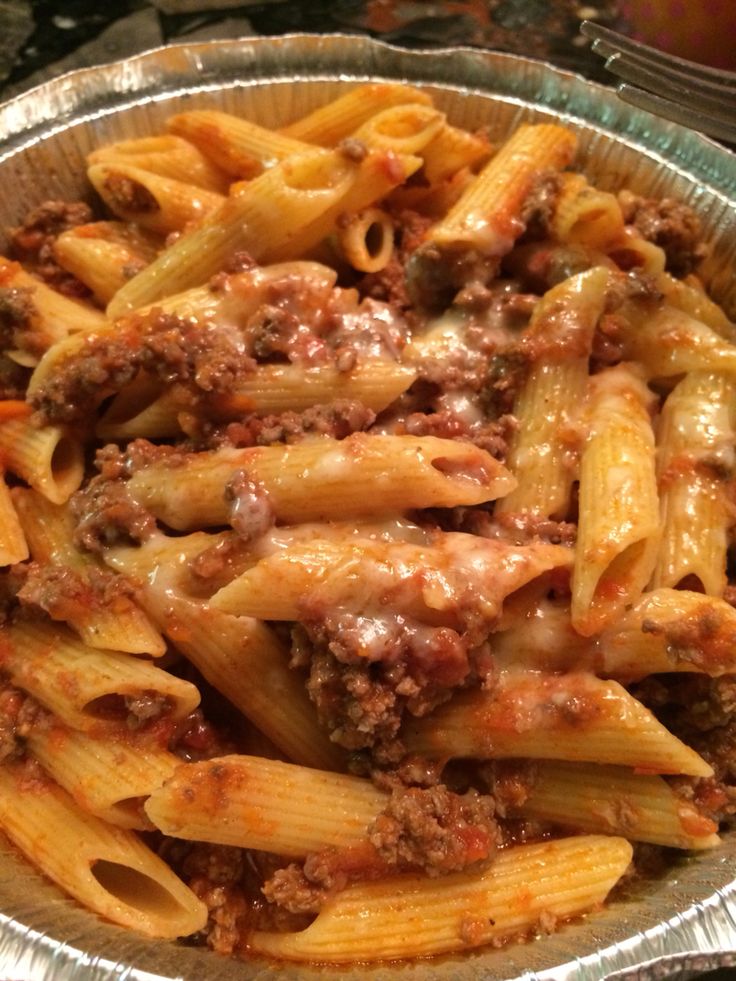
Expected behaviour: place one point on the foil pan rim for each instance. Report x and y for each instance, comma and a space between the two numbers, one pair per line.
704, 935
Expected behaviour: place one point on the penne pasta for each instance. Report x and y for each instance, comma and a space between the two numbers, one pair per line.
486, 216
415, 916
107, 869
315, 480
612, 800
618, 529
89, 689
409, 459
82, 765
536, 716
694, 463
273, 806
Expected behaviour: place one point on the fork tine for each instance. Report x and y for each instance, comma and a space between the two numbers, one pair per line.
675, 86
678, 113
608, 42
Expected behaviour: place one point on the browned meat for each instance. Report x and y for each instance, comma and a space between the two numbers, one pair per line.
18, 714
669, 224
338, 420
33, 242
435, 829
130, 195
205, 358
365, 672
107, 515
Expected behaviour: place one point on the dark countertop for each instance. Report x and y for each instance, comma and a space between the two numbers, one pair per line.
45, 38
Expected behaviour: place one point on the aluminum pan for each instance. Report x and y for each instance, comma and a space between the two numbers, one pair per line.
683, 921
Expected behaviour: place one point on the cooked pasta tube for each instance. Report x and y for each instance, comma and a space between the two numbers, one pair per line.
585, 215
413, 916
695, 461
166, 155
366, 240
250, 802
551, 398
379, 172
487, 215
690, 297
48, 458
618, 528
671, 630
238, 147
633, 251
669, 342
90, 689
108, 619
157, 203
241, 657
107, 869
111, 778
542, 639
452, 150
574, 716
269, 388
44, 315
324, 478
458, 573
262, 218
331, 123
13, 545
613, 800
103, 255
143, 411
407, 128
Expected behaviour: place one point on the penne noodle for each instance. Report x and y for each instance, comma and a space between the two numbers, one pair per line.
269, 805
462, 573
166, 155
48, 458
671, 630
82, 765
574, 717
106, 619
239, 656
695, 460
13, 545
618, 529
401, 129
238, 147
316, 480
44, 316
264, 217
88, 689
585, 215
367, 240
613, 800
413, 916
486, 216
156, 203
104, 255
107, 869
331, 123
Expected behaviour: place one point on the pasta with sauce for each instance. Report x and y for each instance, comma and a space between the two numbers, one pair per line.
380, 600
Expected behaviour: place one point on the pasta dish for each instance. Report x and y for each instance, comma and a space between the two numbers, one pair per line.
366, 501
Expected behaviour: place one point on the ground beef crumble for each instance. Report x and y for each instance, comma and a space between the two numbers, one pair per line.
33, 242
671, 225
433, 830
107, 515
366, 672
19, 712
